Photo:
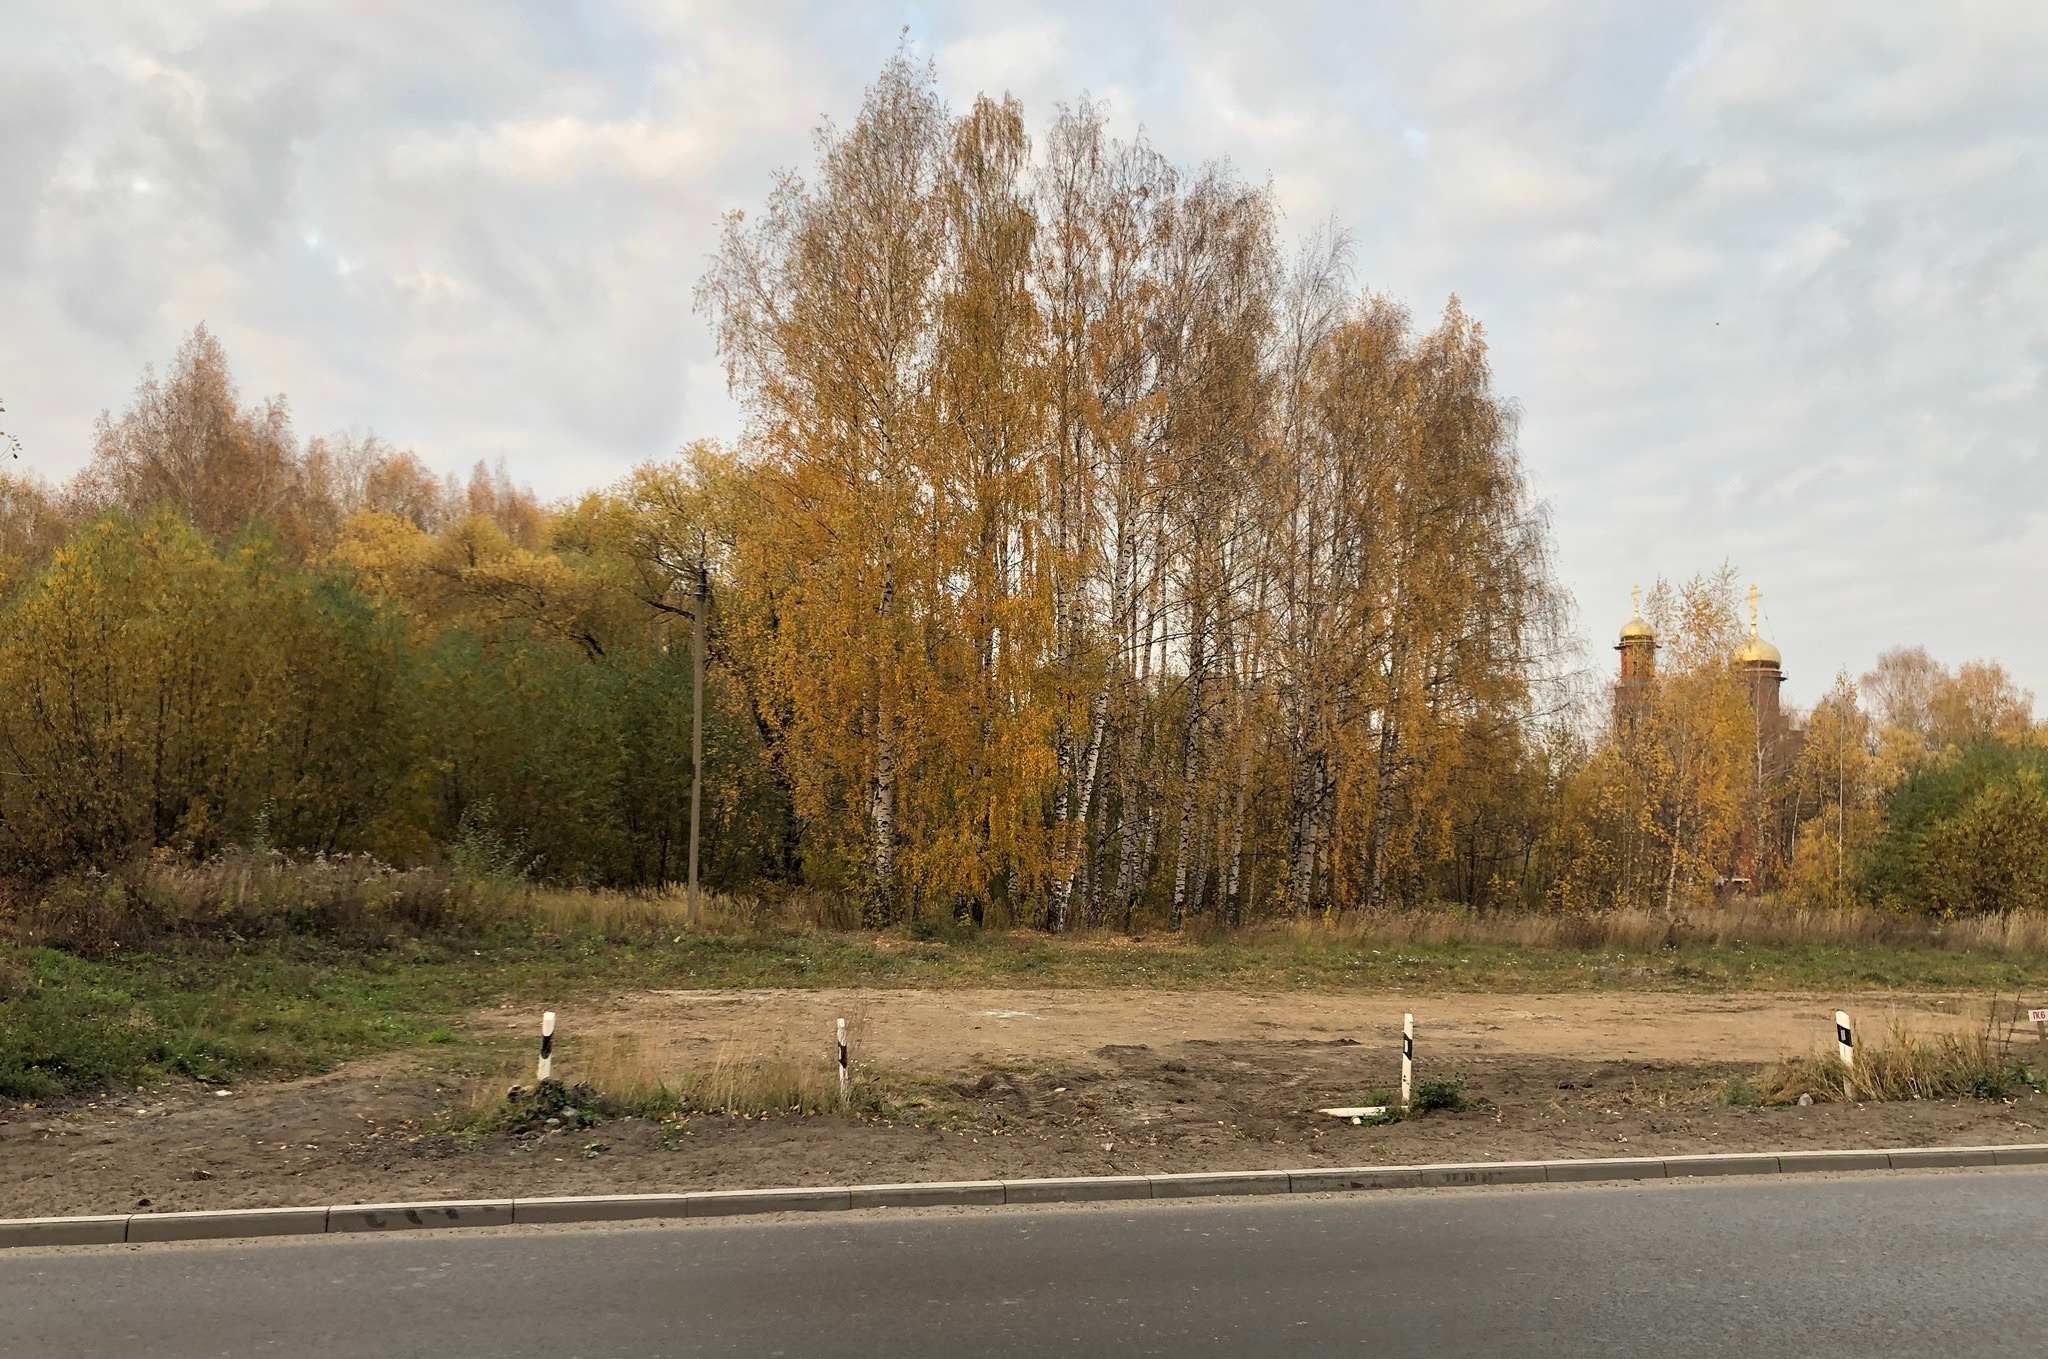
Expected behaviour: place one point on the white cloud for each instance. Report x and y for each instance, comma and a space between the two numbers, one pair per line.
1769, 282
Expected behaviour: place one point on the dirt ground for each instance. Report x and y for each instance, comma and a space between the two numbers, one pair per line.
952, 1030
1004, 1083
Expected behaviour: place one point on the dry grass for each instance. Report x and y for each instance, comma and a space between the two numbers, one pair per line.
663, 914
242, 895
248, 894
658, 916
619, 1074
1908, 1065
1761, 922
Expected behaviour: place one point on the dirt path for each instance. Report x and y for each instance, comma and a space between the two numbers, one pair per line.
941, 1031
1001, 1084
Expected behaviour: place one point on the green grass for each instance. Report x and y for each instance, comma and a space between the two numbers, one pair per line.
69, 1024
1447, 1094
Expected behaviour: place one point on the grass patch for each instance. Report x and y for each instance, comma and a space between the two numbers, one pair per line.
1740, 1092
77, 1025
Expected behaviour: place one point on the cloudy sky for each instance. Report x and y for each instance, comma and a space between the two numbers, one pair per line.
1769, 281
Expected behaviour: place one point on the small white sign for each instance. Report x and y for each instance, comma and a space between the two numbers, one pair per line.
2037, 1016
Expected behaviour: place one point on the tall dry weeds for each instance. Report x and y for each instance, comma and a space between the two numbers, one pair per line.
1905, 1064
662, 914
256, 894
620, 1074
1761, 923
244, 894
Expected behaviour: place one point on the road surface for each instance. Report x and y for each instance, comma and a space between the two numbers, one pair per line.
1938, 1263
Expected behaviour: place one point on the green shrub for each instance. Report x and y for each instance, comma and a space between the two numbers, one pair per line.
1992, 855
1969, 837
1447, 1094
952, 930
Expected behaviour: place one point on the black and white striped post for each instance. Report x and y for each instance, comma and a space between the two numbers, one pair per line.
547, 1045
843, 1084
1407, 1060
1845, 1048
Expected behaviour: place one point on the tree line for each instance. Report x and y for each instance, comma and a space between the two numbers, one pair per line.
1088, 559
1916, 785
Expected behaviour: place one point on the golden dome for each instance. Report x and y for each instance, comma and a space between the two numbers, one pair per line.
1636, 627
1756, 651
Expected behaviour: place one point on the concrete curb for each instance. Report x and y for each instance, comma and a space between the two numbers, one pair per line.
226, 1222
412, 1217
233, 1223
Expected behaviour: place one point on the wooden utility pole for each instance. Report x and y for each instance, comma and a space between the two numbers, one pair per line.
697, 728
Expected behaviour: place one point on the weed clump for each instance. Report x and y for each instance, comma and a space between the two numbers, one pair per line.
1903, 1065
549, 1103
1446, 1094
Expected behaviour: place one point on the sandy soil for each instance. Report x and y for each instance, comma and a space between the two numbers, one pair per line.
1008, 1083
951, 1030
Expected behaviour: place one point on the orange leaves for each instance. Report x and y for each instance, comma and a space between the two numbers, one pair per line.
1046, 543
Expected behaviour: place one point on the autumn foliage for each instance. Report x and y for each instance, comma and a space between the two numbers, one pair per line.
1088, 559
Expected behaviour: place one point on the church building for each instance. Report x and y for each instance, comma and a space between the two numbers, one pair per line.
1759, 666
1760, 669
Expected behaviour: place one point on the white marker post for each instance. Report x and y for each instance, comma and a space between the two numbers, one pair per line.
842, 1063
2039, 1019
547, 1045
1407, 1060
1845, 1046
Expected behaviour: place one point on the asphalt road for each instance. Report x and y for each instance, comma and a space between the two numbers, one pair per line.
1942, 1263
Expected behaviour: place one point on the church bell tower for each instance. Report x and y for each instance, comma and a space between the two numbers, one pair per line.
1762, 669
1638, 648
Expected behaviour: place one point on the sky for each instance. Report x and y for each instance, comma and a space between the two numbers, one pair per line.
1768, 282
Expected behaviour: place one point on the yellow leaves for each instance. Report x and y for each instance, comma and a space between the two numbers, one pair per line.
153, 691
384, 550
1687, 785
473, 573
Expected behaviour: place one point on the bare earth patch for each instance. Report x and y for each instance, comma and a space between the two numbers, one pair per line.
1005, 1084
951, 1029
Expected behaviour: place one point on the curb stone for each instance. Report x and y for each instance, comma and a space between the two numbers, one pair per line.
64, 1231
1728, 1163
1081, 1189
234, 1223
733, 1202
1791, 1162
1590, 1172
2031, 1155
1943, 1157
601, 1208
1220, 1182
409, 1217
212, 1225
1366, 1177
1480, 1173
944, 1194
